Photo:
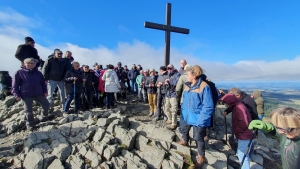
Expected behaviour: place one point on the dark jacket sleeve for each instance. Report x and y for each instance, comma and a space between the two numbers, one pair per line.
42, 81
20, 53
16, 83
46, 67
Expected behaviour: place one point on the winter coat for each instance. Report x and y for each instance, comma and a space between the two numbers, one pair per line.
240, 117
290, 152
69, 79
151, 80
90, 79
161, 78
171, 88
101, 82
139, 80
124, 75
181, 70
55, 69
197, 106
181, 85
28, 83
257, 96
249, 103
112, 84
132, 74
25, 51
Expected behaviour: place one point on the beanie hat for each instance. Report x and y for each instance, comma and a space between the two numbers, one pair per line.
28, 39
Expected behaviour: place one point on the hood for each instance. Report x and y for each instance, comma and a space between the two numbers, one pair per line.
230, 99
257, 94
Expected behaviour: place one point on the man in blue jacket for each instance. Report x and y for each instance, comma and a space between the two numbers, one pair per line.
171, 102
132, 74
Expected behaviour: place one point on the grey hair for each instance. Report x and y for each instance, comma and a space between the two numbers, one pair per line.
235, 91
31, 60
75, 62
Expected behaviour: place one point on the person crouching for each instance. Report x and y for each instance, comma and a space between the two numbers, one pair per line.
28, 84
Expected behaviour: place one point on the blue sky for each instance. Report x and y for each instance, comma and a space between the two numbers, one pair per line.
231, 40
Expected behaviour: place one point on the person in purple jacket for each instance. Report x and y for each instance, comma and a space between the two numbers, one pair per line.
28, 85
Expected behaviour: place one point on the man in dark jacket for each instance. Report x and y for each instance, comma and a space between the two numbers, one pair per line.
126, 80
27, 50
132, 74
54, 71
161, 91
246, 100
90, 79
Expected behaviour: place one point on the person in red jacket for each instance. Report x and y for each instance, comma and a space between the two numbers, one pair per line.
101, 89
240, 121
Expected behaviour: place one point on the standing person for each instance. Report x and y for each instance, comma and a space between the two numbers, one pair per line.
101, 89
146, 75
197, 108
182, 65
171, 104
241, 119
69, 56
132, 74
141, 87
75, 74
111, 85
161, 91
27, 50
257, 96
54, 71
151, 91
90, 81
286, 121
126, 81
29, 84
181, 86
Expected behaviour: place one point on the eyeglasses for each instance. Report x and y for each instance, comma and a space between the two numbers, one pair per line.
169, 68
289, 130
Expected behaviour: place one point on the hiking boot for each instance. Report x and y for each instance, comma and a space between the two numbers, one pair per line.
200, 160
182, 142
168, 122
172, 127
151, 114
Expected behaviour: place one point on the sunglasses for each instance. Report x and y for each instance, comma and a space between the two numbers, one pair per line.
169, 68
289, 130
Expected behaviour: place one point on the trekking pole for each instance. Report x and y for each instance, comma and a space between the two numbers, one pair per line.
225, 129
248, 147
74, 84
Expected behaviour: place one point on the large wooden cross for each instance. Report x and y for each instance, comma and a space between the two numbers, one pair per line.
168, 29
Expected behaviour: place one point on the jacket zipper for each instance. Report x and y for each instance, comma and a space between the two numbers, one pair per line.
286, 154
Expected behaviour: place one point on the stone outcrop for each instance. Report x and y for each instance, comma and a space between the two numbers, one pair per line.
110, 139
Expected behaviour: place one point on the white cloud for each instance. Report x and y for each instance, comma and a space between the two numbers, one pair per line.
12, 34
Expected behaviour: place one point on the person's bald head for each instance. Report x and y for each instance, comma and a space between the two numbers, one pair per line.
183, 63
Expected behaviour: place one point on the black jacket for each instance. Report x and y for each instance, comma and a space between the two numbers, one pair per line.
69, 79
90, 77
55, 69
249, 103
25, 51
150, 80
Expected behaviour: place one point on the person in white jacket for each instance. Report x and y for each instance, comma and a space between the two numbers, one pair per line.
112, 85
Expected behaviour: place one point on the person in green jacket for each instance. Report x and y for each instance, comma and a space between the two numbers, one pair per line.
141, 89
286, 121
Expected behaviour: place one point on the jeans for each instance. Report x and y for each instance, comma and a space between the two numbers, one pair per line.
134, 87
51, 87
109, 99
242, 145
69, 100
28, 108
260, 116
142, 96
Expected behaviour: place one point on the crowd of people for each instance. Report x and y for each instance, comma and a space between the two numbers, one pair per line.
166, 91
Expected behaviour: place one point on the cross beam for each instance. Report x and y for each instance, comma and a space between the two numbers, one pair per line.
168, 29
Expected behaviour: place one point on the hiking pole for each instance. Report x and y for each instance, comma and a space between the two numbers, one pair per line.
74, 84
225, 129
248, 147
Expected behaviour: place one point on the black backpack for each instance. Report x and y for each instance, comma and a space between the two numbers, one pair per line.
215, 94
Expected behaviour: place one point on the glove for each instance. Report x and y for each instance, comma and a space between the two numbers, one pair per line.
266, 127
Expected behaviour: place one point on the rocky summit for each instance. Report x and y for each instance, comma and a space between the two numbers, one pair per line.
124, 137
